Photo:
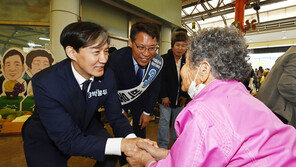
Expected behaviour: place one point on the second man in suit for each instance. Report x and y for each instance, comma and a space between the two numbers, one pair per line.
136, 70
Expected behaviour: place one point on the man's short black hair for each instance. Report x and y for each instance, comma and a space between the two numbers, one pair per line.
145, 26
38, 53
13, 52
83, 34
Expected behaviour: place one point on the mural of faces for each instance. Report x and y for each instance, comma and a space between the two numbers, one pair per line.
38, 60
38, 64
13, 65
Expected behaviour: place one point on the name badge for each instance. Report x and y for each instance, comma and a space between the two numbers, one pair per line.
97, 93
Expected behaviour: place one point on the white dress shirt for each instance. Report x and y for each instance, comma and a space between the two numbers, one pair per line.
178, 66
113, 145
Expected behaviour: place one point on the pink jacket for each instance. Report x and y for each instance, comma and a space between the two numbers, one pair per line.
226, 126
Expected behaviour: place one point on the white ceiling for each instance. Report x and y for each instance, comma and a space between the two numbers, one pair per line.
268, 13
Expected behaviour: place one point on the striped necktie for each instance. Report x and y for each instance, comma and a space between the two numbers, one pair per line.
84, 87
140, 74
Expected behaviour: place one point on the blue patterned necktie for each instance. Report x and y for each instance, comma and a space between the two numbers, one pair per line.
84, 87
139, 74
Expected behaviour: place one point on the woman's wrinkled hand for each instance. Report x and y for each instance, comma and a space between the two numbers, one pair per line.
152, 148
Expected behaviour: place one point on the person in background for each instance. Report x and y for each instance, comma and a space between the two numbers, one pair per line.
171, 98
278, 91
255, 80
223, 125
259, 75
112, 49
67, 97
131, 66
264, 75
248, 82
181, 30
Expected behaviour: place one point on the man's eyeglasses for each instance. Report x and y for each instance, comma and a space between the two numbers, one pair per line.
151, 49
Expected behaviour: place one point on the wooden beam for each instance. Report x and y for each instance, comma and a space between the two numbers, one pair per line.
28, 23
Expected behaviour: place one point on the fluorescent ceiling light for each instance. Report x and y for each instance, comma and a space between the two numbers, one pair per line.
44, 39
32, 44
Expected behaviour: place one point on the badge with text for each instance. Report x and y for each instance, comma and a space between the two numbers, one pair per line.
97, 93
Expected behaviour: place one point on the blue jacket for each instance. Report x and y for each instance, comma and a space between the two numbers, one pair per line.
63, 119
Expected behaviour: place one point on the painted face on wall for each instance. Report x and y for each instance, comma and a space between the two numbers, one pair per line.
144, 48
39, 63
90, 61
179, 48
13, 68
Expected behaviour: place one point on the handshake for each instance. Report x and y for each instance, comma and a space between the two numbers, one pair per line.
139, 151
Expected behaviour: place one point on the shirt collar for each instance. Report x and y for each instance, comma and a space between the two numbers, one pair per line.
179, 61
135, 62
136, 65
80, 79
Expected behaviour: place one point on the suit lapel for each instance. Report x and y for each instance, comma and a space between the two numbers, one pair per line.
75, 94
173, 64
92, 103
183, 59
132, 67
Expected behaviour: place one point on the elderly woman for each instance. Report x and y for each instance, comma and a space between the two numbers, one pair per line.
223, 125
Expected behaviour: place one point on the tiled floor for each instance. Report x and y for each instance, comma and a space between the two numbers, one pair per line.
12, 155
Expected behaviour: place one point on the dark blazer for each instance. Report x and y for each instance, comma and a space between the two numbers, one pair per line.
278, 91
121, 63
63, 122
170, 86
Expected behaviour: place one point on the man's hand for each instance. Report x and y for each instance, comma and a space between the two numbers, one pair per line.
166, 102
150, 142
144, 120
156, 153
182, 101
139, 158
129, 144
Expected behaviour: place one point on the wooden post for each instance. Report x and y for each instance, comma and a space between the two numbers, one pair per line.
240, 13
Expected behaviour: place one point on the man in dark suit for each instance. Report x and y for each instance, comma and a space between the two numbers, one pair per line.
171, 98
278, 91
65, 121
130, 64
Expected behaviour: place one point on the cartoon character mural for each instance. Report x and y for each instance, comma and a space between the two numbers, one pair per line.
13, 86
37, 60
13, 70
1, 75
16, 94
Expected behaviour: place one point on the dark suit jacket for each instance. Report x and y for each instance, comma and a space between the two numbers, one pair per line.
121, 63
170, 86
278, 91
61, 117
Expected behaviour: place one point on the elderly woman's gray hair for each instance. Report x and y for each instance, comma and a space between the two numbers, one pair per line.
226, 51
